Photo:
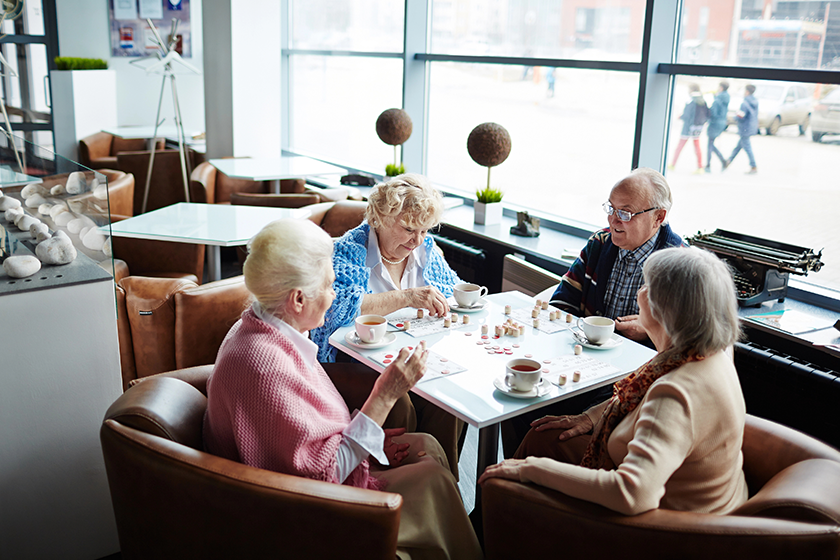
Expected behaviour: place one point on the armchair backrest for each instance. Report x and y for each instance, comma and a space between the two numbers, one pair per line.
275, 200
173, 500
336, 218
167, 185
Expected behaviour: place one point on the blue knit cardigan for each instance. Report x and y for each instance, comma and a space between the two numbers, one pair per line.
352, 279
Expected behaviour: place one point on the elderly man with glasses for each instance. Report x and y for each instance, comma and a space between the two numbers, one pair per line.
605, 277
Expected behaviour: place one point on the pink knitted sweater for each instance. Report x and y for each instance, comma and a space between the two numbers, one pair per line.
266, 409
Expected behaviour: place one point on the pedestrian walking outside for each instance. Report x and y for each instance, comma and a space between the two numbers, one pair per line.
747, 126
717, 124
694, 116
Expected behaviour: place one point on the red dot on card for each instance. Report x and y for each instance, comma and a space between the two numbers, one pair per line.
444, 359
389, 355
411, 347
500, 351
399, 324
485, 337
516, 346
444, 372
509, 353
545, 370
468, 334
546, 361
507, 348
479, 342
529, 355
386, 361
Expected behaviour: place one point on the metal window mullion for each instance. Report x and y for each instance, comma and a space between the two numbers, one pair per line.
752, 73
415, 94
286, 122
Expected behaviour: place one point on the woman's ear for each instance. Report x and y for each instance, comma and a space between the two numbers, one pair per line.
296, 301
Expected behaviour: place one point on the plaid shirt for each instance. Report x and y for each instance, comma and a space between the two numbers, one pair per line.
626, 279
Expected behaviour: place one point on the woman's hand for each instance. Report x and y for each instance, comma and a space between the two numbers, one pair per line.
572, 426
427, 297
630, 327
396, 452
403, 373
509, 469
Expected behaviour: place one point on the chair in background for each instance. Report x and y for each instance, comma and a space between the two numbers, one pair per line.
338, 217
172, 323
793, 512
100, 150
519, 274
166, 187
173, 500
275, 200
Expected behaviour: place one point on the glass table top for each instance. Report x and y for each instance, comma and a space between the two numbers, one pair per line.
268, 169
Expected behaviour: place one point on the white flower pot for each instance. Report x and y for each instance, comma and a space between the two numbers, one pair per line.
488, 214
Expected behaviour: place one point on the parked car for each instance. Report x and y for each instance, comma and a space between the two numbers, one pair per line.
779, 104
825, 118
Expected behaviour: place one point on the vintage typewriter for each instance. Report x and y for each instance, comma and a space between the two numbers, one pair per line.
760, 267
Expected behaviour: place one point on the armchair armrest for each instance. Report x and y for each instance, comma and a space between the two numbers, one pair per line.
528, 521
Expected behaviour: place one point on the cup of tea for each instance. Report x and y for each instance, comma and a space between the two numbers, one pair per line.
598, 330
468, 295
523, 374
371, 328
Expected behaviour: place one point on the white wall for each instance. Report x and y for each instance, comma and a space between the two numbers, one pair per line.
83, 31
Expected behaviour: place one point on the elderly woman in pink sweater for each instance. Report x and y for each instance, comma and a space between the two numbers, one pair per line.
271, 405
670, 437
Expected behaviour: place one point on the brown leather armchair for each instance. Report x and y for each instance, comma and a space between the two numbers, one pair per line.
338, 217
173, 500
275, 200
793, 512
166, 324
100, 150
167, 185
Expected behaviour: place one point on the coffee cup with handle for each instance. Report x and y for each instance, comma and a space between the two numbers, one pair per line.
371, 328
467, 295
598, 330
523, 374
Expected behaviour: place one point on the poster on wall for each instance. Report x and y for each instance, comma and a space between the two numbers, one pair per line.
132, 36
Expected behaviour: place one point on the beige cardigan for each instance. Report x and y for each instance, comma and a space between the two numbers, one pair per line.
680, 449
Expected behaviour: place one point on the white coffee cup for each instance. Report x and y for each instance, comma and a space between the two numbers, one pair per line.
468, 295
523, 374
371, 328
598, 330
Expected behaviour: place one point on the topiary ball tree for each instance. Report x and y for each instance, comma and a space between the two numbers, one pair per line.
489, 145
393, 126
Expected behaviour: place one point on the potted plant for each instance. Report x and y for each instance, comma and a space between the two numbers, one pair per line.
488, 206
488, 145
394, 127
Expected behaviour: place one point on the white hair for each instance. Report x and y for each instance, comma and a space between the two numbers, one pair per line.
692, 295
659, 193
284, 256
409, 194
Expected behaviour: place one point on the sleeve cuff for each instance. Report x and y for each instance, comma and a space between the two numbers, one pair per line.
368, 435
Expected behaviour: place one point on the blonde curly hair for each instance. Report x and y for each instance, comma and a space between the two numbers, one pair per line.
410, 195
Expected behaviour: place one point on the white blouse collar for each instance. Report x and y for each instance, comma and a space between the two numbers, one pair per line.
308, 349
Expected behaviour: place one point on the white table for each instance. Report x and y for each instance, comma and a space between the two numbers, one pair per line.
470, 395
275, 169
214, 225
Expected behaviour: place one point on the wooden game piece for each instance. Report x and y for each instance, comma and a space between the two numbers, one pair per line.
536, 323
562, 379
507, 310
578, 349
576, 376
447, 323
466, 319
419, 313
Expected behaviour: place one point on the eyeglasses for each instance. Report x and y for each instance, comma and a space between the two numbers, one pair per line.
623, 215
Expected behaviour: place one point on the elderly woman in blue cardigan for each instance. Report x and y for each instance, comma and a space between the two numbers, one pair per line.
388, 263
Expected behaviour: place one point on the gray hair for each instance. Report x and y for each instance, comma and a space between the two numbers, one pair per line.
409, 194
660, 192
692, 295
284, 256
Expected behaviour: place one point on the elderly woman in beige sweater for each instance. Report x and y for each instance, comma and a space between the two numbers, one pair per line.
670, 437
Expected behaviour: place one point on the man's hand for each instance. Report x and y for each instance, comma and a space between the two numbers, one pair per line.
630, 327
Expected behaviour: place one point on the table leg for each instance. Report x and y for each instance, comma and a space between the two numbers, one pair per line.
214, 262
274, 186
488, 454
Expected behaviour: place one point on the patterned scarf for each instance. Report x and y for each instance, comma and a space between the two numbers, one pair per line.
627, 394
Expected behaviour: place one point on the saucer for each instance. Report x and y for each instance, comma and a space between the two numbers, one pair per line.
353, 339
455, 306
614, 341
537, 391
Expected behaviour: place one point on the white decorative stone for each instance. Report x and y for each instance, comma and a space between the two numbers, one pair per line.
109, 251
32, 189
13, 214
63, 218
80, 223
35, 229
83, 232
56, 250
56, 210
25, 221
42, 237
100, 192
44, 209
75, 183
21, 266
35, 201
94, 239
7, 202
57, 190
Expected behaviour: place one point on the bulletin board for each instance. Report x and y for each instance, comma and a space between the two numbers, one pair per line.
131, 35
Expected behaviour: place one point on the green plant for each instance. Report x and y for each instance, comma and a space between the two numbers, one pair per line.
488, 195
392, 169
71, 63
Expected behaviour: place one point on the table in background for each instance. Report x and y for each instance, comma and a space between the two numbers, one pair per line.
147, 133
274, 169
214, 225
470, 395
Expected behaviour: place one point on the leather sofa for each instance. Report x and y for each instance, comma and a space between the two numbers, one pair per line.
793, 512
167, 185
338, 217
99, 150
173, 500
171, 323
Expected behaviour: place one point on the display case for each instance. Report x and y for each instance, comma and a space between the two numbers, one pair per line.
60, 356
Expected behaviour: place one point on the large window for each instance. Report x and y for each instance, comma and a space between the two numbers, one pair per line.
564, 78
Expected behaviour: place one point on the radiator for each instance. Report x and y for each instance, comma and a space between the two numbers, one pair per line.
468, 261
789, 391
518, 274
